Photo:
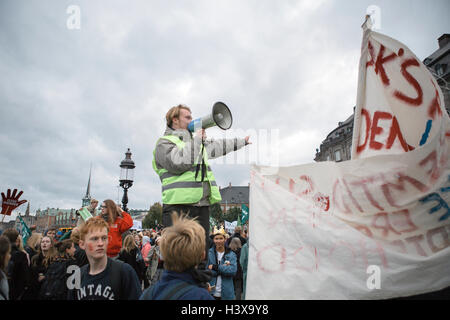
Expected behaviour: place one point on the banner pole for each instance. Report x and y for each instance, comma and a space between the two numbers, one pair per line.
367, 28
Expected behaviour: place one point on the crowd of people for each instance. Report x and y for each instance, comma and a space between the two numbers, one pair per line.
115, 262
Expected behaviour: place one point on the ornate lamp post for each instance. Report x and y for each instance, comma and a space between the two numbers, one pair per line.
126, 177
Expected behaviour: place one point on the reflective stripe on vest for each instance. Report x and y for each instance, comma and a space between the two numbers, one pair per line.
185, 188
167, 174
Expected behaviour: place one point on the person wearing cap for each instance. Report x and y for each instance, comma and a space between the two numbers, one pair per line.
59, 234
222, 262
180, 159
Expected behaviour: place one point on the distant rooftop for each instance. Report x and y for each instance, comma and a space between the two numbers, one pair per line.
235, 194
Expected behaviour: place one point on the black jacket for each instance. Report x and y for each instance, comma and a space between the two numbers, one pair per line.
80, 256
37, 266
239, 268
18, 274
131, 259
31, 252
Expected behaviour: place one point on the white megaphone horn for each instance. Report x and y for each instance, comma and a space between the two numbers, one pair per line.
220, 116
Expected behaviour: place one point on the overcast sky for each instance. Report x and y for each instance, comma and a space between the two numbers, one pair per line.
70, 98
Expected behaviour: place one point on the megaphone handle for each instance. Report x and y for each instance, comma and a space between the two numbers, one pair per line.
201, 164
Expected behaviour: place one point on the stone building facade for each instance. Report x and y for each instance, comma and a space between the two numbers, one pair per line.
439, 65
55, 218
338, 144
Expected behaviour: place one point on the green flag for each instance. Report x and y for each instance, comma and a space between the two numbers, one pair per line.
25, 231
245, 213
85, 214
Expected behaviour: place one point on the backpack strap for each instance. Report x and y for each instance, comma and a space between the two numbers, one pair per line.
115, 278
175, 290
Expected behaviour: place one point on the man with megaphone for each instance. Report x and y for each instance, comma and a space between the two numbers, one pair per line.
181, 161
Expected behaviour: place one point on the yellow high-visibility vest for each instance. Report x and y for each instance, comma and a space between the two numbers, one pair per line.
185, 188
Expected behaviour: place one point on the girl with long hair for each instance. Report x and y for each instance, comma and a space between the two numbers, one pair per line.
131, 254
54, 286
119, 221
40, 263
32, 245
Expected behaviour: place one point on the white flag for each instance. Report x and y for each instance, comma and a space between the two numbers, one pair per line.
374, 227
399, 104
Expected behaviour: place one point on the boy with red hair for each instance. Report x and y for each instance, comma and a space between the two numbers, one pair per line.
103, 278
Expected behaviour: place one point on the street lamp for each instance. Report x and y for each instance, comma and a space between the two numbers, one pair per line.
126, 177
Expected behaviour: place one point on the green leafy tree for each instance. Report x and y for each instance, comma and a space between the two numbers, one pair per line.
153, 217
233, 214
215, 212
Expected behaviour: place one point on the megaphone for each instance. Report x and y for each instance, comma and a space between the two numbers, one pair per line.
220, 116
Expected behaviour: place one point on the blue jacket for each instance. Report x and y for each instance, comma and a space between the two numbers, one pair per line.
168, 278
227, 272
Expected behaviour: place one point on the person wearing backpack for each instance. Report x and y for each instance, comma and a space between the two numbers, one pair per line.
131, 254
54, 286
103, 278
18, 270
182, 248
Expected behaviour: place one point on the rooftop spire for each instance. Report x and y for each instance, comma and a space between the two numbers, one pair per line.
27, 212
87, 198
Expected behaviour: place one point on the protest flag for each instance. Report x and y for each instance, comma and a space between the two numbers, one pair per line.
245, 213
25, 231
374, 227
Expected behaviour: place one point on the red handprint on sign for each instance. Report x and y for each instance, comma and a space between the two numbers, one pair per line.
11, 201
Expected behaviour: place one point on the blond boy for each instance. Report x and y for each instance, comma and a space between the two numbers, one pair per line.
182, 248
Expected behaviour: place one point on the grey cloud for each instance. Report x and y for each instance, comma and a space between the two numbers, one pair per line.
69, 98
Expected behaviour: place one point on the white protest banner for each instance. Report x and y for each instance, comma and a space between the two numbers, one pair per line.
399, 103
230, 226
375, 227
137, 225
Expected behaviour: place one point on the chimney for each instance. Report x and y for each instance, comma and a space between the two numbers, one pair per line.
443, 40
229, 185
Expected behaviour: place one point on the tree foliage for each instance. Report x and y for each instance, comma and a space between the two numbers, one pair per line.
215, 212
218, 216
232, 214
153, 217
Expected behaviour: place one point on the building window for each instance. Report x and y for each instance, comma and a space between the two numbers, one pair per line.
440, 69
337, 156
